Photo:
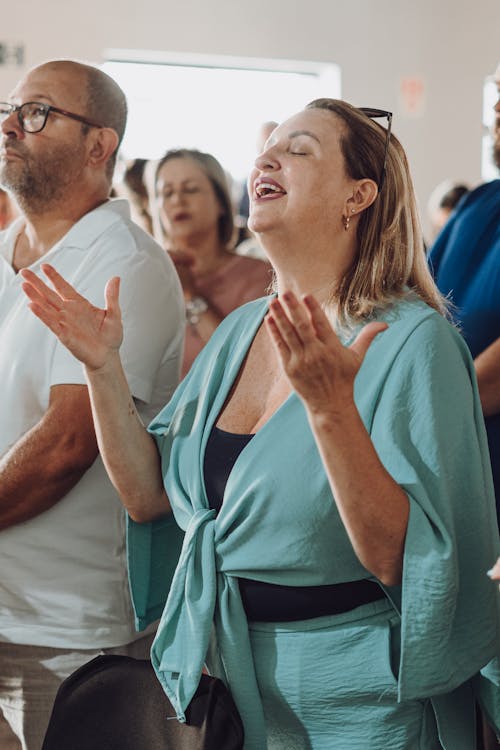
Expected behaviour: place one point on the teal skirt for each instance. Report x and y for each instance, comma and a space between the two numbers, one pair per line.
330, 683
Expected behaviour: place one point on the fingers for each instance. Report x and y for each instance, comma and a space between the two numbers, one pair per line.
283, 325
63, 290
294, 321
38, 291
62, 287
111, 294
365, 338
276, 337
319, 320
48, 315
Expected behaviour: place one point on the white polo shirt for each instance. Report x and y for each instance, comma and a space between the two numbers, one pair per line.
63, 575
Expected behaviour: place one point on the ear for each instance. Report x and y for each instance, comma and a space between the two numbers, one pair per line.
363, 195
102, 144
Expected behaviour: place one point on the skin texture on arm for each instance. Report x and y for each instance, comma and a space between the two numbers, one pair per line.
94, 336
373, 507
487, 366
47, 462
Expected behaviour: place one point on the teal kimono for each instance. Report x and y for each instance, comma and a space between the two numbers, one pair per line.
417, 396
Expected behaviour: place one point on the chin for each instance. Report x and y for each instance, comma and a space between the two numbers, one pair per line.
258, 223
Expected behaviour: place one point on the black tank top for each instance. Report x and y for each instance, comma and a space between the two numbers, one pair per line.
270, 602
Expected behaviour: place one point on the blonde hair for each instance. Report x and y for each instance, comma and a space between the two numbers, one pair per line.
390, 260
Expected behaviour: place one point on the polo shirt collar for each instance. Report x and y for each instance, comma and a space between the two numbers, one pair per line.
87, 229
81, 235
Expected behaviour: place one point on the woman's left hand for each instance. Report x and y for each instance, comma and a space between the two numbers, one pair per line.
319, 367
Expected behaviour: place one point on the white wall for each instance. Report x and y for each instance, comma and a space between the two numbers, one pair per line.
451, 45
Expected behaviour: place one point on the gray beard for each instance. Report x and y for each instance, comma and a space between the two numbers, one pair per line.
38, 184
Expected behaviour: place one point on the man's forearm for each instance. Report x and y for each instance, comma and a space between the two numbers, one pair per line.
35, 475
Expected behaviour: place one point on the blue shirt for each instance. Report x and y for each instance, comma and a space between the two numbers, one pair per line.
465, 260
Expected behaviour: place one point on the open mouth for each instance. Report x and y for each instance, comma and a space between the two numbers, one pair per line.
265, 189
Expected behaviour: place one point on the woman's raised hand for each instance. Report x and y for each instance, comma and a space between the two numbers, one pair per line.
91, 334
320, 369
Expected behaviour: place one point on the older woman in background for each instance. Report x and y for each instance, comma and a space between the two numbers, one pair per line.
334, 488
197, 218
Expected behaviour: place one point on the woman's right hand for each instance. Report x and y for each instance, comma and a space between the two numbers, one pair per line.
90, 333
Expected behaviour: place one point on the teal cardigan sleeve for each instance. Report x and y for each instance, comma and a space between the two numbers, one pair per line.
428, 430
153, 551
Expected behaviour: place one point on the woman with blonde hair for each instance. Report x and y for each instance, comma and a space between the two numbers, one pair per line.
325, 462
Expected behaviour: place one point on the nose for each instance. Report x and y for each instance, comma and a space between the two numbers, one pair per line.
177, 196
11, 125
267, 160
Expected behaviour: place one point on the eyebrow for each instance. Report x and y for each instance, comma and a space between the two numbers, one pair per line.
303, 132
38, 97
169, 183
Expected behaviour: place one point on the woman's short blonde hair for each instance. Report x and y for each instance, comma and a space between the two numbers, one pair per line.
391, 257
215, 173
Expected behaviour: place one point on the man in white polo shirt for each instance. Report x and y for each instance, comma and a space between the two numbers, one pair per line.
63, 584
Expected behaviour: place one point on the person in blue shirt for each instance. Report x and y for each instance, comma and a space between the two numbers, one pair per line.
465, 260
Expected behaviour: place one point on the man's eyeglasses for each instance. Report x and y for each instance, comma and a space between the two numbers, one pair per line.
373, 114
32, 116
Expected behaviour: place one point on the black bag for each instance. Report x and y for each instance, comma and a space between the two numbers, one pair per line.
117, 703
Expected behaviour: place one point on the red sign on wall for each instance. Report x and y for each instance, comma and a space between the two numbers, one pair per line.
412, 96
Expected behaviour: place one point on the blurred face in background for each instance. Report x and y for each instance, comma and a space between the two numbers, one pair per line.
187, 202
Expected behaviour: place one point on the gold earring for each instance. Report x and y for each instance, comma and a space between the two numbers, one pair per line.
347, 219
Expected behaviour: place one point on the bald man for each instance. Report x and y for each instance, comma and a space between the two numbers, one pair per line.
63, 588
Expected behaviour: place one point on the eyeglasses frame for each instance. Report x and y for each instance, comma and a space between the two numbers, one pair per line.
48, 109
374, 113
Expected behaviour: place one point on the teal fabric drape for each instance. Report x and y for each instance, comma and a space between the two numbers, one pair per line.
417, 397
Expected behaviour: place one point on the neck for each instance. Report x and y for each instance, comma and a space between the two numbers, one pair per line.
204, 249
310, 264
43, 229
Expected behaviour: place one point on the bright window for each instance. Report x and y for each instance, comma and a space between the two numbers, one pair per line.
215, 104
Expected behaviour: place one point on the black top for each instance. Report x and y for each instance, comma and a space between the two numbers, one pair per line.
270, 602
